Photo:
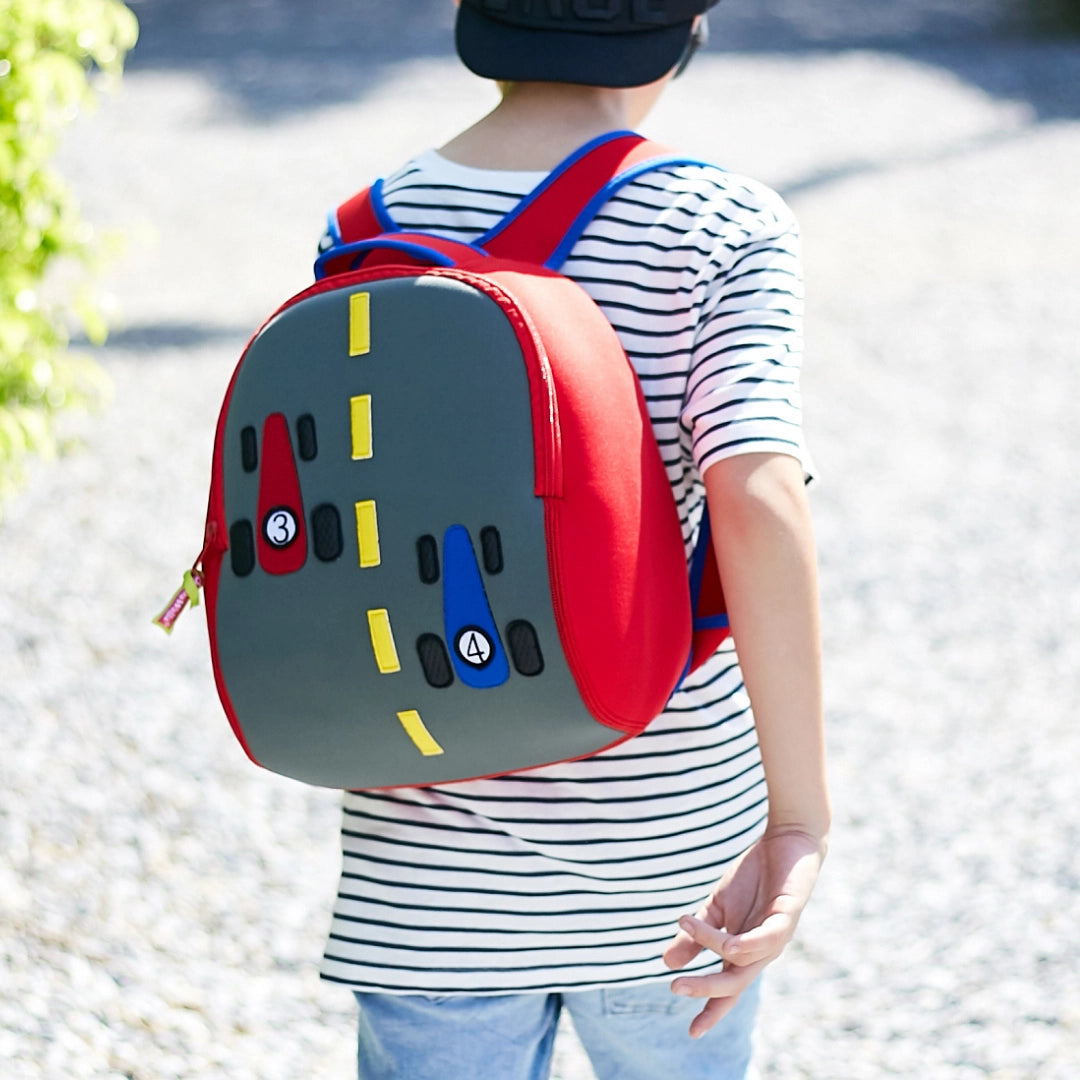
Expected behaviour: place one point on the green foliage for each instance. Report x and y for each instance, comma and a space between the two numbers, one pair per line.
49, 52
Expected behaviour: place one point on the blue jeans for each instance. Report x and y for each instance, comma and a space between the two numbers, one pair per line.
629, 1033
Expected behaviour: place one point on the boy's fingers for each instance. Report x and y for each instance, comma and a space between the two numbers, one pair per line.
714, 1011
705, 935
694, 935
681, 950
729, 983
764, 942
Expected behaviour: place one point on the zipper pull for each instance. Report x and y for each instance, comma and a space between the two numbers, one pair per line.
194, 579
188, 593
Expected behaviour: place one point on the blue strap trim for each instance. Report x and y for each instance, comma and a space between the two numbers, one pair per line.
581, 223
685, 670
333, 229
548, 180
697, 576
697, 561
378, 206
359, 248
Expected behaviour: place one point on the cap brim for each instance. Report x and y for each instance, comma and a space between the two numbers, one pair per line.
498, 51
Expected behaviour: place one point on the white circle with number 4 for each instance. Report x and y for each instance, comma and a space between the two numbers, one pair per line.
474, 646
280, 527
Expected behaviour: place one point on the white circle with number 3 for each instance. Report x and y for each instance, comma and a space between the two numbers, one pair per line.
280, 528
474, 646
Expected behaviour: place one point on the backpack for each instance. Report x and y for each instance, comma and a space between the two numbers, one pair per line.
441, 543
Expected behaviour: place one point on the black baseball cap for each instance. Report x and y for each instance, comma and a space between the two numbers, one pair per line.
591, 42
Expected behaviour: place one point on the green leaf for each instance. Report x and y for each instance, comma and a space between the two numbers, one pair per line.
48, 50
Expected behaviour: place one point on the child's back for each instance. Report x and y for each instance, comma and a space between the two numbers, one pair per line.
569, 879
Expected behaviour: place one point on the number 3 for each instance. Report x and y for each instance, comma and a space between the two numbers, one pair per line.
279, 527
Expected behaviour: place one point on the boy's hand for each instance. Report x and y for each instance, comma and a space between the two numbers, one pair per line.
764, 547
748, 920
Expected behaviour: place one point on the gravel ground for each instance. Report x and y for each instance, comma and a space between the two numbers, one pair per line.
163, 903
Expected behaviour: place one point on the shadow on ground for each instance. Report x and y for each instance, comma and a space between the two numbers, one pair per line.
274, 57
151, 337
270, 58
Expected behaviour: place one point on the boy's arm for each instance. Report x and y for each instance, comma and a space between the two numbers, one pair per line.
764, 543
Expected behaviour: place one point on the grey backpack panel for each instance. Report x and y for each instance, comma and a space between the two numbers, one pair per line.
296, 651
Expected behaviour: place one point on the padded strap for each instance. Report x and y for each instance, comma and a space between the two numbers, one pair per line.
536, 227
547, 222
361, 217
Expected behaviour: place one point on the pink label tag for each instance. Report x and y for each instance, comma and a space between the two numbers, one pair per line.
188, 593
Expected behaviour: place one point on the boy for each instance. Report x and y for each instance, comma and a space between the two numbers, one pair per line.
470, 914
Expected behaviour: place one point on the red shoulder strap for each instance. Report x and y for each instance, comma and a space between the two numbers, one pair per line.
540, 222
532, 231
357, 220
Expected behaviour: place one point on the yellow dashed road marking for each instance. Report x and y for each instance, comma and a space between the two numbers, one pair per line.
359, 324
367, 533
411, 722
360, 417
382, 641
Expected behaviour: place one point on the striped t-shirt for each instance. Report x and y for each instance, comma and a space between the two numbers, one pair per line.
572, 876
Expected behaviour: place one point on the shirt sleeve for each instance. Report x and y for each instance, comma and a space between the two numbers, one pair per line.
743, 392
